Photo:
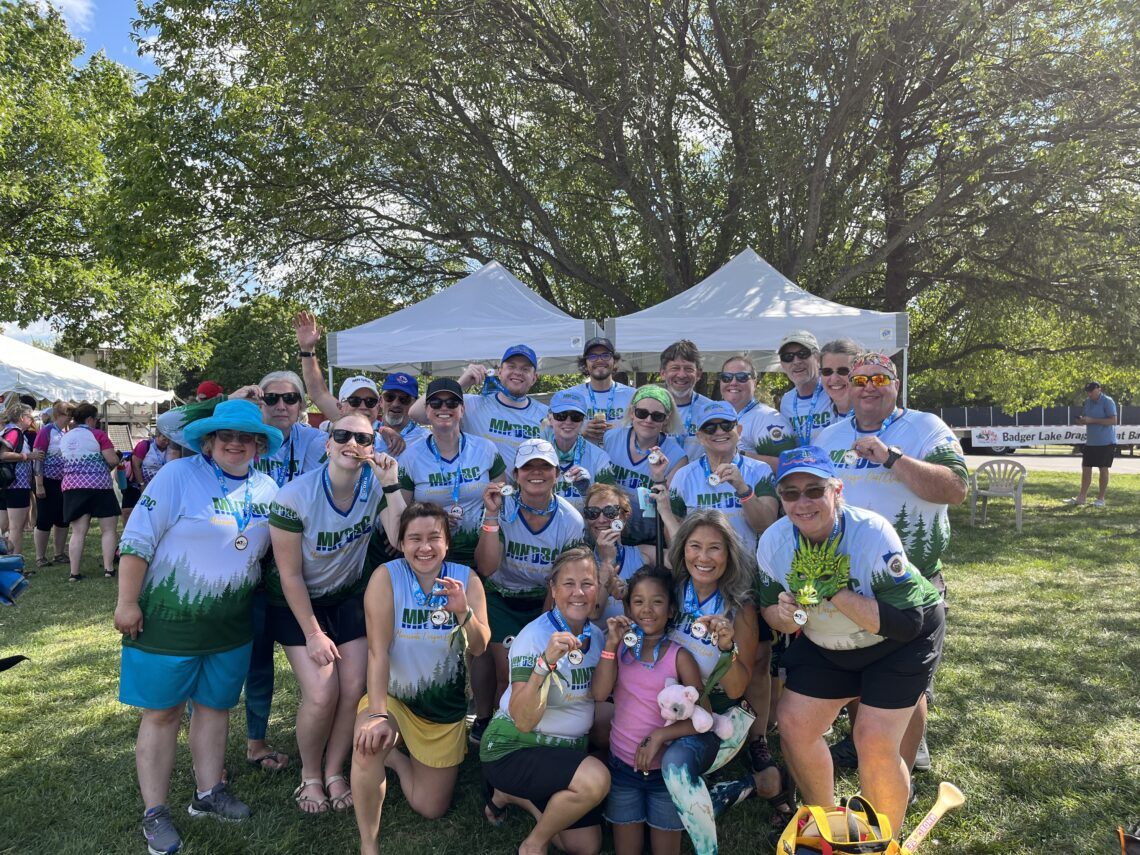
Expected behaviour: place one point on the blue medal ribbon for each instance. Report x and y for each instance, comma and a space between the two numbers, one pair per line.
458, 464
609, 403
561, 626
428, 601
492, 385
896, 414
805, 438
693, 606
737, 461
751, 405
360, 492
636, 651
242, 518
836, 531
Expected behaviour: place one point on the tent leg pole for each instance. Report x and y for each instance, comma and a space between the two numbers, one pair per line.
906, 376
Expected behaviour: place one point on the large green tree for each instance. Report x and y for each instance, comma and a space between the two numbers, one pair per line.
973, 162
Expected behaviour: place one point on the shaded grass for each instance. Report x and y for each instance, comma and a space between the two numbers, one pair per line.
1037, 716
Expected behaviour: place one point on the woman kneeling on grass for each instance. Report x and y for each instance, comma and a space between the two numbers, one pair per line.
321, 522
191, 557
534, 749
420, 610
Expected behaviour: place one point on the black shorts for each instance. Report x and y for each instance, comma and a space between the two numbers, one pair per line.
1098, 456
17, 498
131, 496
97, 503
536, 774
342, 621
889, 675
49, 509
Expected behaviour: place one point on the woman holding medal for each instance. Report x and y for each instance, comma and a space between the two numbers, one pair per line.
422, 612
717, 624
580, 463
534, 750
191, 558
320, 525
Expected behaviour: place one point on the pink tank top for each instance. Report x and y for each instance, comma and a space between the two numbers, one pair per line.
636, 713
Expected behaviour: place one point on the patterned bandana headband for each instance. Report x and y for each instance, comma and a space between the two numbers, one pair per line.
657, 393
871, 358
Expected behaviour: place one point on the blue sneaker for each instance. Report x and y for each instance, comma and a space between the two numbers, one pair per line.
158, 829
219, 803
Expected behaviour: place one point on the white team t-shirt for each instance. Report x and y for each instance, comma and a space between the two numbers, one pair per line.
528, 554
302, 451
506, 426
613, 403
688, 435
764, 431
816, 410
691, 487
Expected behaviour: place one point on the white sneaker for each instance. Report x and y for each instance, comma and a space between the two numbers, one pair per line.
1098, 503
1075, 500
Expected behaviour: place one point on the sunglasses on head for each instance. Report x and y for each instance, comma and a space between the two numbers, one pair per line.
574, 416
341, 436
642, 413
239, 435
357, 401
862, 380
789, 355
790, 495
609, 511
711, 428
842, 372
738, 376
270, 399
451, 403
390, 397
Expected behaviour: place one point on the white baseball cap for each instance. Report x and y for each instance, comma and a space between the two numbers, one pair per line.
535, 449
355, 384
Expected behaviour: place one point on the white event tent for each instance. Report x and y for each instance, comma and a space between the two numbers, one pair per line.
28, 370
474, 320
748, 306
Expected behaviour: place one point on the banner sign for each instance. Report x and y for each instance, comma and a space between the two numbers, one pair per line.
987, 437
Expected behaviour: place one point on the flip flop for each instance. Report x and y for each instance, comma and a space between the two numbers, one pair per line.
272, 756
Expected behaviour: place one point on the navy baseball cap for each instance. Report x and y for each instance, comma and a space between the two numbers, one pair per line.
405, 383
810, 458
520, 350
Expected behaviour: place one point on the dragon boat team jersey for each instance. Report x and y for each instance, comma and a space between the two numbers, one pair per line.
923, 526
807, 414
629, 475
431, 480
865, 551
613, 403
704, 650
151, 458
764, 431
690, 491
591, 458
507, 427
333, 542
688, 435
302, 451
569, 711
426, 668
629, 561
83, 465
411, 433
14, 440
48, 441
197, 595
528, 555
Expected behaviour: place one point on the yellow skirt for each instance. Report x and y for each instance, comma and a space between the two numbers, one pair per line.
438, 746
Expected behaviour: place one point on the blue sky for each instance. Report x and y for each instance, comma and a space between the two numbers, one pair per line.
106, 25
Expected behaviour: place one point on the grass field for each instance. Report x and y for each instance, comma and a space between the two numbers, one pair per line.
1037, 717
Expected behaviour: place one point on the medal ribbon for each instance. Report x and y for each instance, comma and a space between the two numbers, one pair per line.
458, 464
240, 519
360, 492
640, 633
427, 601
694, 606
609, 403
549, 510
895, 415
805, 438
835, 536
491, 385
737, 461
561, 626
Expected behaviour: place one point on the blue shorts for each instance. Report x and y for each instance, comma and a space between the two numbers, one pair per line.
636, 797
158, 681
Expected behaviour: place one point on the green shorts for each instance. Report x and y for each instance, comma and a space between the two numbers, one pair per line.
508, 615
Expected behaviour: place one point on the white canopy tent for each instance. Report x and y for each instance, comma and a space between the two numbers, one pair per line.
475, 320
748, 306
28, 370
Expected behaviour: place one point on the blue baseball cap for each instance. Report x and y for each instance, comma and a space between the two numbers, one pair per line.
717, 411
405, 383
810, 458
566, 401
520, 350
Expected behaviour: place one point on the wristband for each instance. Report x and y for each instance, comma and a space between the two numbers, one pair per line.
490, 528
751, 494
466, 617
382, 715
392, 488
306, 354
541, 668
609, 654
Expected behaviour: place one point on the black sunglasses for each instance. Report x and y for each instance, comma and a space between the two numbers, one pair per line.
575, 417
738, 376
389, 397
439, 403
789, 355
641, 413
270, 399
357, 401
842, 372
610, 511
341, 436
711, 427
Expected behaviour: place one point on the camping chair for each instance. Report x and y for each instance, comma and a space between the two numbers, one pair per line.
997, 478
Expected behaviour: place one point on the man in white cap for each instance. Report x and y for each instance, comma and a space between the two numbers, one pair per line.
806, 405
606, 398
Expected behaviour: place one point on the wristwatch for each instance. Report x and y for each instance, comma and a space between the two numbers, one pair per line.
893, 454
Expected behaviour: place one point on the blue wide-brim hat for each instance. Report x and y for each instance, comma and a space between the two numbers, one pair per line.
232, 415
809, 458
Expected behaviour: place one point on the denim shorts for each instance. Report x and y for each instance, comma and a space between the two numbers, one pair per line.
636, 797
158, 681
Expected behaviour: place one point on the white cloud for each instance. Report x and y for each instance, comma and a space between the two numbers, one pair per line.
40, 331
77, 13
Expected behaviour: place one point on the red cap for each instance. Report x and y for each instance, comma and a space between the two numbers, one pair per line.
210, 389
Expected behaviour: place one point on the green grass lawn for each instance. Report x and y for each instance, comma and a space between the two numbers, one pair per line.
1037, 717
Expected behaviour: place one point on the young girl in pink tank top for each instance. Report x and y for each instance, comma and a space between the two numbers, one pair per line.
637, 660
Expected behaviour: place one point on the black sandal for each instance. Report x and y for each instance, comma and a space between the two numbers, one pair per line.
783, 805
494, 814
75, 577
110, 574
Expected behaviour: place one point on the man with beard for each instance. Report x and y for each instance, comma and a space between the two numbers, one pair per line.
680, 371
607, 399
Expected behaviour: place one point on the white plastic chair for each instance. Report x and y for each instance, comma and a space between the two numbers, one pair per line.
997, 479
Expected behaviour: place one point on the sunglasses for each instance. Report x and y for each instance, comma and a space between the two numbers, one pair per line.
440, 403
239, 435
738, 376
357, 401
789, 355
270, 399
711, 428
573, 416
391, 397
842, 372
341, 436
609, 511
791, 495
862, 380
642, 413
